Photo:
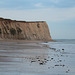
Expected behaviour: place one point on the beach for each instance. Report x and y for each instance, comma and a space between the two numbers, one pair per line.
19, 57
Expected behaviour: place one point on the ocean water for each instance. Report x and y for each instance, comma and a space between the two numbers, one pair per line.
64, 54
17, 59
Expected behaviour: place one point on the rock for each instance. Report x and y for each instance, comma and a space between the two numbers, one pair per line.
48, 67
38, 60
45, 59
62, 49
66, 71
33, 61
60, 60
51, 58
41, 63
62, 65
56, 65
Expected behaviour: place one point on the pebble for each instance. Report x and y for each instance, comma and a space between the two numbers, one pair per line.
33, 61
52, 58
62, 49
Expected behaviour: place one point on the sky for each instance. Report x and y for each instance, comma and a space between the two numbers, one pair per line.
59, 14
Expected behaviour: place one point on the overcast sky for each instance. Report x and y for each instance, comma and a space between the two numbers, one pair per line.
59, 14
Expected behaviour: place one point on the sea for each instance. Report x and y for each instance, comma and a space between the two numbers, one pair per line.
64, 55
57, 59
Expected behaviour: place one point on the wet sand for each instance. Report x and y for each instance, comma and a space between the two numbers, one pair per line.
32, 58
22, 57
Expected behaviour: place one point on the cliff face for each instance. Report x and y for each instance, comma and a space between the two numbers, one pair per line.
12, 29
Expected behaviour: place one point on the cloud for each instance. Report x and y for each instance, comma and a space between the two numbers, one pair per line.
49, 14
38, 5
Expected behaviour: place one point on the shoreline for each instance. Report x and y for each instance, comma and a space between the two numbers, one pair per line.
29, 43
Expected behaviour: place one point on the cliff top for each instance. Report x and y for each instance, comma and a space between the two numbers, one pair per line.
21, 21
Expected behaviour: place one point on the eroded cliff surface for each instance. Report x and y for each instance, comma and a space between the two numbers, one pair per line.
12, 29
